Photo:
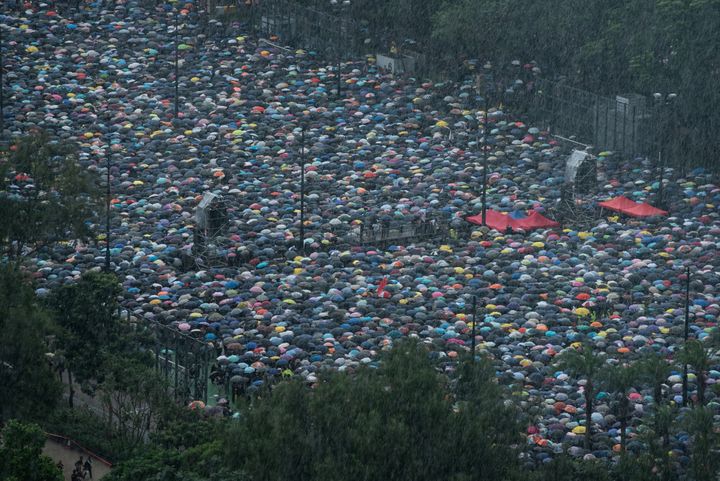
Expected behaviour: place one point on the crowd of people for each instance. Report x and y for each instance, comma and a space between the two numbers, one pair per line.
101, 76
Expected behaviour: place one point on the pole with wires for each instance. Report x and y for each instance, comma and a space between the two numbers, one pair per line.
177, 88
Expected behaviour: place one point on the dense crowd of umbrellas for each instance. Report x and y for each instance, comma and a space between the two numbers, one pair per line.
386, 148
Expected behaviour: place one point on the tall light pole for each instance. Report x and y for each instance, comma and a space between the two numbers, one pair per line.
107, 214
481, 143
2, 88
340, 17
686, 334
474, 321
338, 69
176, 63
302, 189
662, 103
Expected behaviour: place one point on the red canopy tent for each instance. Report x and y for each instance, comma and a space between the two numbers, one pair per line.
500, 222
628, 207
535, 220
494, 219
618, 204
645, 210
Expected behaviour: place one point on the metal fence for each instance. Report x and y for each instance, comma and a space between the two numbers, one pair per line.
184, 361
397, 231
335, 35
622, 124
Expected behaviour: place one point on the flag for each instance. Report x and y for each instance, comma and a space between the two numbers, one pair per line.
381, 286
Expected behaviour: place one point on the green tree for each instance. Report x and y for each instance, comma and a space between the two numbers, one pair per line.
403, 410
655, 370
564, 468
583, 363
661, 426
280, 433
29, 387
701, 426
619, 380
45, 196
701, 358
21, 457
134, 397
185, 447
486, 423
87, 313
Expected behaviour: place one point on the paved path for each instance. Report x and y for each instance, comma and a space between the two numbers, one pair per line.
68, 456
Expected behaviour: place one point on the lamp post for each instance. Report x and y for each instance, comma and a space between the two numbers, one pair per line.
302, 189
339, 9
661, 105
177, 88
107, 214
686, 334
483, 153
482, 141
474, 321
339, 69
2, 88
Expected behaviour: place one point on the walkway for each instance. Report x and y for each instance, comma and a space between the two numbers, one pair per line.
68, 456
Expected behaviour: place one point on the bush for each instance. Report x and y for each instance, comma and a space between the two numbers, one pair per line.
88, 430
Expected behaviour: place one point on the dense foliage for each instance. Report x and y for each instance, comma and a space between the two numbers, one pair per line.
21, 457
46, 197
29, 388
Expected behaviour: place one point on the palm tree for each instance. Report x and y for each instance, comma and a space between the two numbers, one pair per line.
662, 424
619, 380
655, 370
583, 363
700, 425
701, 359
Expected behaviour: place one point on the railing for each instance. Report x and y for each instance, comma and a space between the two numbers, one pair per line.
189, 369
71, 443
623, 124
301, 26
395, 231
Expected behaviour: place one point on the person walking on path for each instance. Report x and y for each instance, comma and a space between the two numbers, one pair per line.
88, 467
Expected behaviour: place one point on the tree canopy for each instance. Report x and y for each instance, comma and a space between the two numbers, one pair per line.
21, 457
29, 386
45, 196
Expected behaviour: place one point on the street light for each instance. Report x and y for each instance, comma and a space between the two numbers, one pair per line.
482, 140
177, 61
483, 153
474, 321
2, 88
338, 7
660, 102
686, 334
302, 189
107, 214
